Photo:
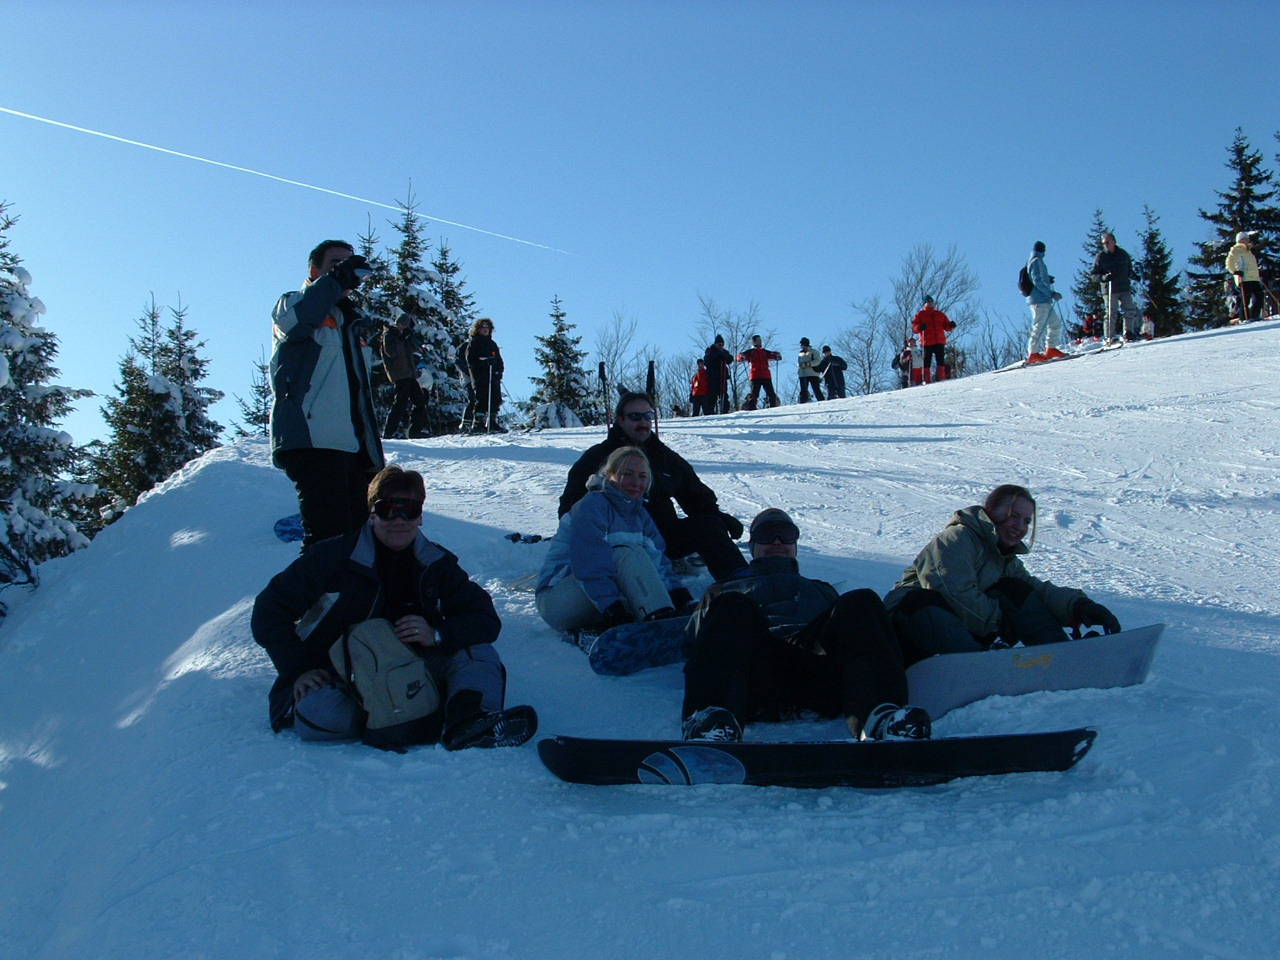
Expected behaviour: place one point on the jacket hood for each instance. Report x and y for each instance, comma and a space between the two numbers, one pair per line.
975, 518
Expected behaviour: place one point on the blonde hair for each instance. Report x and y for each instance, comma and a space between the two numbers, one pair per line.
613, 463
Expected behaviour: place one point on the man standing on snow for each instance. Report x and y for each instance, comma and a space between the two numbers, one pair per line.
832, 369
717, 359
704, 529
1243, 266
808, 371
772, 641
1046, 324
759, 373
932, 325
324, 433
1113, 267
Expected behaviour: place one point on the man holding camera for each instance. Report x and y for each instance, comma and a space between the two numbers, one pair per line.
324, 433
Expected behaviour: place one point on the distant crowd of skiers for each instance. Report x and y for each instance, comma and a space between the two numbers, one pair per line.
709, 389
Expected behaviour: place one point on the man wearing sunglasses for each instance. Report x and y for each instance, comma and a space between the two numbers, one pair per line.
387, 570
704, 529
773, 643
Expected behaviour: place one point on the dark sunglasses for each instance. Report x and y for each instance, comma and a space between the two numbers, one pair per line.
400, 508
788, 533
636, 417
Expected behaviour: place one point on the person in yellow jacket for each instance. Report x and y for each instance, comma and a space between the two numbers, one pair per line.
1243, 265
810, 379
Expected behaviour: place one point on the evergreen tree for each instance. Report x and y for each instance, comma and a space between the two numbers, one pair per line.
1085, 289
1164, 288
562, 395
159, 419
181, 364
375, 297
256, 410
457, 312
1245, 206
37, 502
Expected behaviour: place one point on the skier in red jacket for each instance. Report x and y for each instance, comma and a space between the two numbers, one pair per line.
932, 325
759, 373
700, 391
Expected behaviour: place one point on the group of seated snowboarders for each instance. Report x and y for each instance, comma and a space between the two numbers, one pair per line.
762, 643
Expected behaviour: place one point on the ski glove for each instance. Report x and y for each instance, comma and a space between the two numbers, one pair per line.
351, 272
1056, 296
1092, 614
732, 524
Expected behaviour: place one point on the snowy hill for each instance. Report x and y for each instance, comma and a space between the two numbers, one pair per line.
147, 811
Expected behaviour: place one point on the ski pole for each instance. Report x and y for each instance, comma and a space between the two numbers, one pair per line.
1269, 293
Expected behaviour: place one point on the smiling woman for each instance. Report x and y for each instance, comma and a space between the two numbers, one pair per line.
607, 564
968, 590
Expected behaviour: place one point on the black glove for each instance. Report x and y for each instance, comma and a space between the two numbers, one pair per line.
351, 272
681, 598
615, 615
1091, 614
732, 524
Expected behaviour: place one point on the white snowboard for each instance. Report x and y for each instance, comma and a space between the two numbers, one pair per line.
943, 683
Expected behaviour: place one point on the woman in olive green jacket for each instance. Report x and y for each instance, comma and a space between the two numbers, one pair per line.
968, 589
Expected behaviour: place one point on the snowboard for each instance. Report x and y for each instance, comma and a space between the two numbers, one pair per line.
632, 647
289, 529
950, 680
848, 763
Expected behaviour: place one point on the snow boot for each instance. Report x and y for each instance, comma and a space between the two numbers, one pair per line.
713, 723
892, 722
505, 728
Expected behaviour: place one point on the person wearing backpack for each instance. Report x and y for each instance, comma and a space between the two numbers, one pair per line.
1046, 324
350, 592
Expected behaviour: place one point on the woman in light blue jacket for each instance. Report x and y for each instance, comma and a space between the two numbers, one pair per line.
606, 564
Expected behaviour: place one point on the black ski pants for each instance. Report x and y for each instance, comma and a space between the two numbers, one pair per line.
807, 384
333, 491
706, 535
736, 663
410, 401
756, 385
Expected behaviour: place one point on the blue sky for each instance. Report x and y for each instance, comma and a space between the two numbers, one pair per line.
783, 153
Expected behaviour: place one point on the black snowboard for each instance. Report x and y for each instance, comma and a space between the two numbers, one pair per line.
844, 763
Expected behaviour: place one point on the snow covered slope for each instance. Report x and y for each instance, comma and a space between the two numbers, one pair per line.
147, 811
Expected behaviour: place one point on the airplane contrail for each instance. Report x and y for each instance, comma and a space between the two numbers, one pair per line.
269, 176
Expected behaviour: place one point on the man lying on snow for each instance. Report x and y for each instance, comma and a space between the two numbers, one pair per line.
968, 589
380, 634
